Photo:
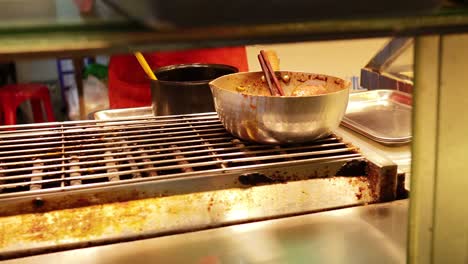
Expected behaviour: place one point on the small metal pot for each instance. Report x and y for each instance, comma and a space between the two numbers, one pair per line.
183, 89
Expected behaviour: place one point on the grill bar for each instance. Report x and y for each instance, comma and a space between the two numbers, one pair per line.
151, 171
38, 170
103, 133
75, 174
90, 140
59, 156
36, 129
213, 152
112, 169
179, 155
182, 161
248, 153
57, 151
1, 176
182, 164
62, 176
131, 161
151, 168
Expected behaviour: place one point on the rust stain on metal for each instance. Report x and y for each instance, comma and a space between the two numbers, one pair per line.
151, 173
1, 176
91, 222
210, 204
110, 163
182, 159
139, 217
68, 201
74, 161
36, 186
383, 182
54, 153
360, 193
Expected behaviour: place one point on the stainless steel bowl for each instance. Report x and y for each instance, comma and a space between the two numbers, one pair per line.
247, 111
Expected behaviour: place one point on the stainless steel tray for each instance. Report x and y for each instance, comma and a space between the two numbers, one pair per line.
121, 113
381, 115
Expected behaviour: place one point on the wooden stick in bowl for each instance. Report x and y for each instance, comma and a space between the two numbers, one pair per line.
272, 73
273, 91
273, 59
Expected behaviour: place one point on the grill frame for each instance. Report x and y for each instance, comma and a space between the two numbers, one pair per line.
70, 153
53, 219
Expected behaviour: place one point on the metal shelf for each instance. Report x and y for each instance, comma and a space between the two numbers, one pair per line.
59, 40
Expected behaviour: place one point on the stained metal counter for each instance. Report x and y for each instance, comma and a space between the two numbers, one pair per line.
364, 234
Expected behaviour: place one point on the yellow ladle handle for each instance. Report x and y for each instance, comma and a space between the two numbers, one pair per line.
145, 66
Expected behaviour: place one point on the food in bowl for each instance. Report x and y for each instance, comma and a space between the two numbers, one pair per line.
309, 90
302, 84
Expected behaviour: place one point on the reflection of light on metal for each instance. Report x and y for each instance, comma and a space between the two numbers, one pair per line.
240, 212
236, 214
259, 246
358, 106
383, 102
394, 250
339, 213
89, 255
245, 228
355, 106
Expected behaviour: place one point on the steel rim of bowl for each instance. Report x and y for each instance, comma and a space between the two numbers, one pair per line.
346, 88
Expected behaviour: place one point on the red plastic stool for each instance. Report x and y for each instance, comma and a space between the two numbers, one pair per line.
11, 96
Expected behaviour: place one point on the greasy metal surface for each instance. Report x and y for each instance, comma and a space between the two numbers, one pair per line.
376, 152
155, 204
365, 234
34, 233
400, 155
72, 155
253, 115
382, 115
41, 201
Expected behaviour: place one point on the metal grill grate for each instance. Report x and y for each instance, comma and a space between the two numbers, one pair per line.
58, 156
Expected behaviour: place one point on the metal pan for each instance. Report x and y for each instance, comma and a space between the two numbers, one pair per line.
247, 111
381, 115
